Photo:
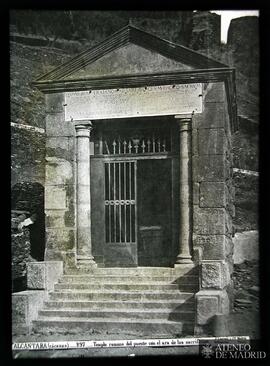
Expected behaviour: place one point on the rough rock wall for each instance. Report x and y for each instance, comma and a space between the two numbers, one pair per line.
243, 54
205, 30
20, 250
27, 155
246, 176
27, 62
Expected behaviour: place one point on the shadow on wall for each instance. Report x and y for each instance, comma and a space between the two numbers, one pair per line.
28, 218
185, 314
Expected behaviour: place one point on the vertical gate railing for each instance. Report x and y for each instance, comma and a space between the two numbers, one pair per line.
120, 202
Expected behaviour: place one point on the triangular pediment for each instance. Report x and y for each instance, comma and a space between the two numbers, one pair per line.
128, 60
130, 51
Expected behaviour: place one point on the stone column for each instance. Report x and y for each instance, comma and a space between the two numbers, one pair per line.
84, 243
185, 182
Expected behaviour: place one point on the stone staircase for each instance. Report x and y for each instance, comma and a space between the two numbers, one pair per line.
143, 301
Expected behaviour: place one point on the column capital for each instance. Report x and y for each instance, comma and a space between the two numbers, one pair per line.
183, 121
83, 128
83, 125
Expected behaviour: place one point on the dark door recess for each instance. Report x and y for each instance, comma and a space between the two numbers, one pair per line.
154, 212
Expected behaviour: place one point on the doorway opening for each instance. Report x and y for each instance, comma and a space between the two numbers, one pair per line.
133, 168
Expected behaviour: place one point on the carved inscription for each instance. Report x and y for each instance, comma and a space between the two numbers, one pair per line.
134, 102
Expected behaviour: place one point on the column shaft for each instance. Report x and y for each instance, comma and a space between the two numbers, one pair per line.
84, 243
185, 192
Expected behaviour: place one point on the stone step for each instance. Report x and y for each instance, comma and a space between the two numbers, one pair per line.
133, 271
122, 286
186, 279
119, 295
118, 313
143, 305
140, 327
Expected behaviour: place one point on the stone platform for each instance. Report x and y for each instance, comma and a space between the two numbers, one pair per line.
141, 302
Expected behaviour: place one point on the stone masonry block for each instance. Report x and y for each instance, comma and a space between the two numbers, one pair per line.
54, 102
214, 274
210, 303
212, 141
211, 274
60, 147
212, 194
43, 275
215, 92
55, 198
209, 221
20, 308
52, 254
58, 171
55, 218
36, 275
69, 260
207, 307
213, 116
57, 142
213, 246
210, 168
62, 239
57, 126
25, 307
60, 206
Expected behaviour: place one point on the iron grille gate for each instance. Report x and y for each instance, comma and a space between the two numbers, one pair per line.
120, 202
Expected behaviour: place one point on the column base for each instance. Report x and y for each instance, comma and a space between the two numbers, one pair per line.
181, 259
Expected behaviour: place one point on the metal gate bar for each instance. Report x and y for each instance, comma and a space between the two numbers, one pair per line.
120, 202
